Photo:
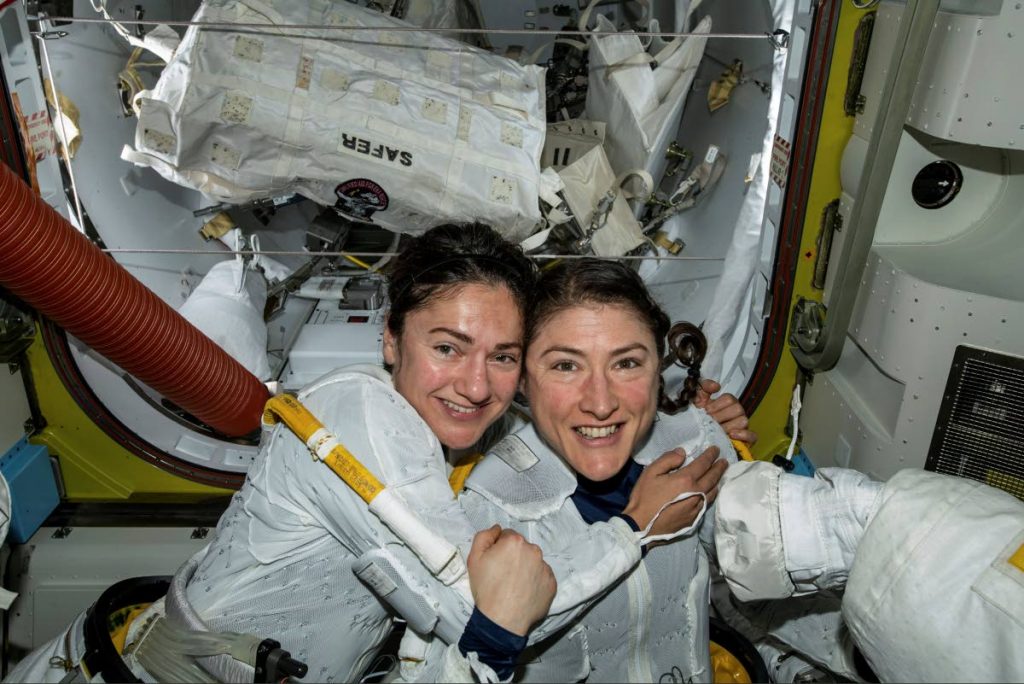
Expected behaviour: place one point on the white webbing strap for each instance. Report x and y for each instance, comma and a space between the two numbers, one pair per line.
645, 537
643, 175
161, 41
532, 57
438, 554
320, 443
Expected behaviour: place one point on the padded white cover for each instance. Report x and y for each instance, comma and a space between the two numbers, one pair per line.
406, 129
231, 316
932, 595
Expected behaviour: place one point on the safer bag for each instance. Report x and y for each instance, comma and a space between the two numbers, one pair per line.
401, 128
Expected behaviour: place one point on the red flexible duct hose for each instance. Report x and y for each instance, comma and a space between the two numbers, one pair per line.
54, 268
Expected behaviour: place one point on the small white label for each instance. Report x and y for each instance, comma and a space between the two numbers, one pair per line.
249, 48
439, 59
305, 73
435, 110
386, 91
225, 156
515, 453
780, 161
465, 120
511, 134
159, 142
381, 584
334, 79
712, 155
502, 189
236, 108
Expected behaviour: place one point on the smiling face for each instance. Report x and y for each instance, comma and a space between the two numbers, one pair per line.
592, 381
457, 360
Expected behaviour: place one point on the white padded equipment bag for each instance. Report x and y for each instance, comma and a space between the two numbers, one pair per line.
402, 128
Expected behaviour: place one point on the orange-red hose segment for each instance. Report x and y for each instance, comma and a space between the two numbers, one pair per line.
57, 270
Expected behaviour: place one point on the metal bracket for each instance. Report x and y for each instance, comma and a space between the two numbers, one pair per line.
831, 223
807, 324
854, 101
779, 38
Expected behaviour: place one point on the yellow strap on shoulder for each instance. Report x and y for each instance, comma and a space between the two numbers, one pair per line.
286, 409
742, 450
460, 473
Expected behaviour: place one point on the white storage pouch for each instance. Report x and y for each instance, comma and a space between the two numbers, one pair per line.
641, 105
404, 129
227, 306
575, 149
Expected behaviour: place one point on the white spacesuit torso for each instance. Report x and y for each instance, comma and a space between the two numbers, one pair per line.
280, 565
653, 626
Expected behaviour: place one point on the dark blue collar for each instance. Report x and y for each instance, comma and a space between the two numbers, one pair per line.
599, 501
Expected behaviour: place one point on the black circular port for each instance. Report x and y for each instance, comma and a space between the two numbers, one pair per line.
937, 184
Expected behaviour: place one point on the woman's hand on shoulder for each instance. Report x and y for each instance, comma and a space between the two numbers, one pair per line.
726, 410
664, 479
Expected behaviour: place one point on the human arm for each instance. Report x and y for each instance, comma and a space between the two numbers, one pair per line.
511, 583
394, 446
666, 478
513, 588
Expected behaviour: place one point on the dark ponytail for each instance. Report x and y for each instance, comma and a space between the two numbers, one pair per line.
450, 256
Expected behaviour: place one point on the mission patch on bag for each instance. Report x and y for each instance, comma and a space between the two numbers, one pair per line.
360, 198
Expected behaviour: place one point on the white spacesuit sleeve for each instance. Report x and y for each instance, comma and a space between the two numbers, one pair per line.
390, 439
780, 535
936, 592
585, 566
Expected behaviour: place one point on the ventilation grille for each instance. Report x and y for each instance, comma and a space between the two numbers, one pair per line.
979, 433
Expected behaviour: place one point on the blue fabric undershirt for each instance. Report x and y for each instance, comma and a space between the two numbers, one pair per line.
494, 645
602, 501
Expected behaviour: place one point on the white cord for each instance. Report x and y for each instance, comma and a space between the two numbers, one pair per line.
284, 252
645, 535
794, 410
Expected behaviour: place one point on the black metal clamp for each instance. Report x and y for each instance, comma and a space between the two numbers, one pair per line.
274, 663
